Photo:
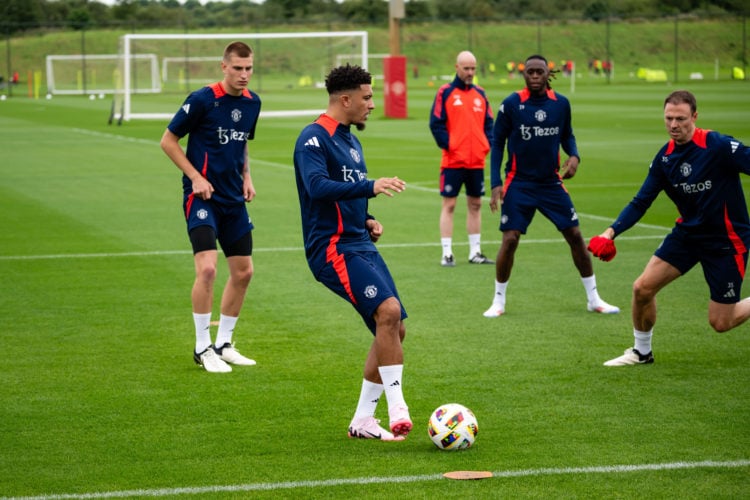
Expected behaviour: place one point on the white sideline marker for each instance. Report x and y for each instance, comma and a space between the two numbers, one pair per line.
327, 483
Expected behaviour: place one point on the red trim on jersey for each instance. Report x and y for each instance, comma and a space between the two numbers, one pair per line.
189, 204
327, 122
439, 102
700, 137
525, 94
219, 91
337, 259
739, 246
511, 173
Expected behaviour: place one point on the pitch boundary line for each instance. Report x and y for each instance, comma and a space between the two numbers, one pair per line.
155, 253
326, 483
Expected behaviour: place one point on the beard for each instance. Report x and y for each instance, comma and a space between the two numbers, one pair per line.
360, 126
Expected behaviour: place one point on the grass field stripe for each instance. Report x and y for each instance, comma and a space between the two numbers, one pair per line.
327, 483
149, 253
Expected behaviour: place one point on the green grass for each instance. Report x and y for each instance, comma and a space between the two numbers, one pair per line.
100, 394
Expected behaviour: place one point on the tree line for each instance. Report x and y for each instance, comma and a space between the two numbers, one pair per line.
23, 15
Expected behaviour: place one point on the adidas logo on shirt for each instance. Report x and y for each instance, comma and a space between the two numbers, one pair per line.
186, 108
313, 142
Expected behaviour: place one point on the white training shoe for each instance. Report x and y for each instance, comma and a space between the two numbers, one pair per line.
400, 423
494, 311
603, 308
230, 354
211, 361
631, 357
369, 428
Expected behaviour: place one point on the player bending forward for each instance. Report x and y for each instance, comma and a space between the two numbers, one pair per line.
699, 170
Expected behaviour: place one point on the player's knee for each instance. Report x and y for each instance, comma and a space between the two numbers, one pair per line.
389, 311
641, 292
206, 274
721, 324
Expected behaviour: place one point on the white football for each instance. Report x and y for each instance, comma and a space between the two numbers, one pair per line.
452, 427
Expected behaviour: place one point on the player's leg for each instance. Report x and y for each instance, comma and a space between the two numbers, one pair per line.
389, 334
724, 317
503, 267
724, 275
474, 181
582, 261
450, 185
657, 274
240, 263
203, 238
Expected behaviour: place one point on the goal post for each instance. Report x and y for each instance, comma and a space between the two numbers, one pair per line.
285, 65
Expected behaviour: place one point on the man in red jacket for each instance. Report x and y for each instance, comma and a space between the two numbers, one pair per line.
461, 122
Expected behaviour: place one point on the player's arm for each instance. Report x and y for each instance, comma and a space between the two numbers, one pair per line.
569, 145
248, 189
170, 144
439, 122
500, 133
313, 168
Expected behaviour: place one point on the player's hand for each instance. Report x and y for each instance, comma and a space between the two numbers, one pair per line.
569, 168
248, 190
375, 229
497, 198
202, 188
388, 186
603, 248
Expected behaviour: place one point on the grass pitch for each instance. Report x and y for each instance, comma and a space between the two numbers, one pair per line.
101, 398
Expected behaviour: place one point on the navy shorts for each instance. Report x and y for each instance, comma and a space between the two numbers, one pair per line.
363, 279
723, 271
229, 222
451, 180
522, 200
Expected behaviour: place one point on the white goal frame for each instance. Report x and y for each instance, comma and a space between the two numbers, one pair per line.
126, 52
51, 88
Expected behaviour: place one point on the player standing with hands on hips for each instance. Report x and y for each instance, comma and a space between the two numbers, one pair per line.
220, 119
700, 171
340, 234
461, 123
536, 122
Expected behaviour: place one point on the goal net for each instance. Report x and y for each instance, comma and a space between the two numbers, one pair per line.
285, 67
99, 73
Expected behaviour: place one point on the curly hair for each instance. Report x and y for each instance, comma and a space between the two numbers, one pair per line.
347, 78
552, 72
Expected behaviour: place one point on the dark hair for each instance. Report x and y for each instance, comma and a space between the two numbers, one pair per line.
347, 78
680, 97
552, 72
240, 49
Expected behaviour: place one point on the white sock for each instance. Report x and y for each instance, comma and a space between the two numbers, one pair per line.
474, 244
499, 299
202, 331
642, 341
369, 396
391, 376
226, 329
591, 293
447, 244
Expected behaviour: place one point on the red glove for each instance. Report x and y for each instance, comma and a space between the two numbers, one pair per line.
602, 247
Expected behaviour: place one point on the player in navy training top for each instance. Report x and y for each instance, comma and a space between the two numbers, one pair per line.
700, 171
219, 119
535, 122
339, 236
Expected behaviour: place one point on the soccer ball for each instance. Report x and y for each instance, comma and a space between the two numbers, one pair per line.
452, 427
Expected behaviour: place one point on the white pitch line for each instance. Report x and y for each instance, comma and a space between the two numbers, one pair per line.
151, 253
327, 483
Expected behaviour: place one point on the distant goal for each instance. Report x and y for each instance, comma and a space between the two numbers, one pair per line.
286, 67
